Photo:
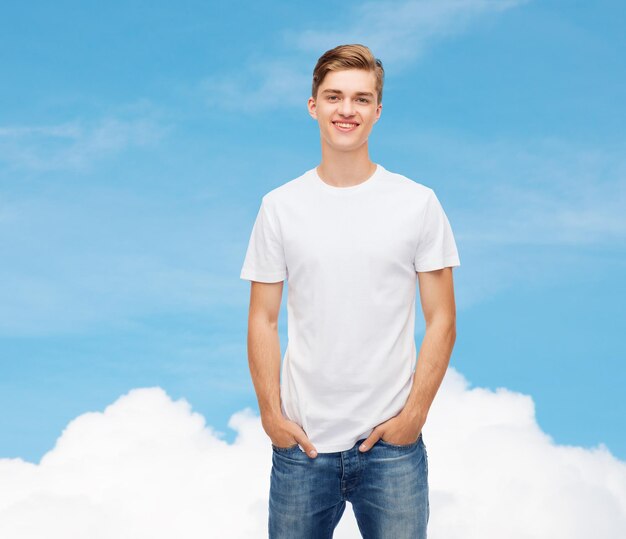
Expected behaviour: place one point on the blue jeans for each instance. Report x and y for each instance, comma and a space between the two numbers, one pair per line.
387, 487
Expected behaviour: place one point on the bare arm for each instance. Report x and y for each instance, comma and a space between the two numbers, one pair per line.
264, 347
437, 298
264, 361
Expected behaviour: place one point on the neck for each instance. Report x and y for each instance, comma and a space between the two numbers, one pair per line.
345, 169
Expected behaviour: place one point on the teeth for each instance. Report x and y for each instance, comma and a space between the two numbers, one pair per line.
344, 125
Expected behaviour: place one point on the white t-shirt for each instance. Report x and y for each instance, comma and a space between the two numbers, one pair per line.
350, 256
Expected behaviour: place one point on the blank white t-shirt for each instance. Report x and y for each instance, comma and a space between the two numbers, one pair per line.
350, 257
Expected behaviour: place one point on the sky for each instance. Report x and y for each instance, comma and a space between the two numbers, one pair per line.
136, 142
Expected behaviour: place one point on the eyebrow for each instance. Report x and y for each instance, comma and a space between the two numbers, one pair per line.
331, 91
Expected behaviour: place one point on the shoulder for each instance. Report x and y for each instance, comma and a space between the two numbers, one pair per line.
407, 186
287, 192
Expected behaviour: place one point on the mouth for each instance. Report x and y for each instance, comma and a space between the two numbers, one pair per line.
346, 126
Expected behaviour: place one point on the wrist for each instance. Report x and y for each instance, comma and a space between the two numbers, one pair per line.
269, 419
413, 414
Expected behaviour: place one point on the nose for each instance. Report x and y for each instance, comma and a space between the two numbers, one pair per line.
346, 107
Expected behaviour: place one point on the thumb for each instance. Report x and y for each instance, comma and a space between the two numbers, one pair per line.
309, 448
370, 441
306, 444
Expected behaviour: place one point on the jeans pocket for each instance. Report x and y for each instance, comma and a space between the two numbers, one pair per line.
290, 448
401, 446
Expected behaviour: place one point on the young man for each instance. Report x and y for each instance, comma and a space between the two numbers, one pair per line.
352, 239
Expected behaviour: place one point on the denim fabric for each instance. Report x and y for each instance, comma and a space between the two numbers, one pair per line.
387, 487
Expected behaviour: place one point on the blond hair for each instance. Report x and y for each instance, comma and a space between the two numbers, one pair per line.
348, 57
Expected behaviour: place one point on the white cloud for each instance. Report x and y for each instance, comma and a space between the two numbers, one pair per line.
73, 145
150, 467
397, 32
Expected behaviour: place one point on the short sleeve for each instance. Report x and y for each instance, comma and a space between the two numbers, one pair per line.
436, 247
265, 259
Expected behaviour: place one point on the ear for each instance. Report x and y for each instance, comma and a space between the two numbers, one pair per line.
379, 110
312, 106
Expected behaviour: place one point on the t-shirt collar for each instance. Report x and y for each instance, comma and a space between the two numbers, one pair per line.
373, 179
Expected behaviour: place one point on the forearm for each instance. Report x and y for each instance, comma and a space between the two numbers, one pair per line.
432, 363
264, 362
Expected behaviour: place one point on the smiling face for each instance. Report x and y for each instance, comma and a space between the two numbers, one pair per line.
346, 108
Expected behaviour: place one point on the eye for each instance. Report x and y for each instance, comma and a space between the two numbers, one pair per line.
331, 97
364, 100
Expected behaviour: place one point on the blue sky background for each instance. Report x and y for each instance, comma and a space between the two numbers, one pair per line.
136, 140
